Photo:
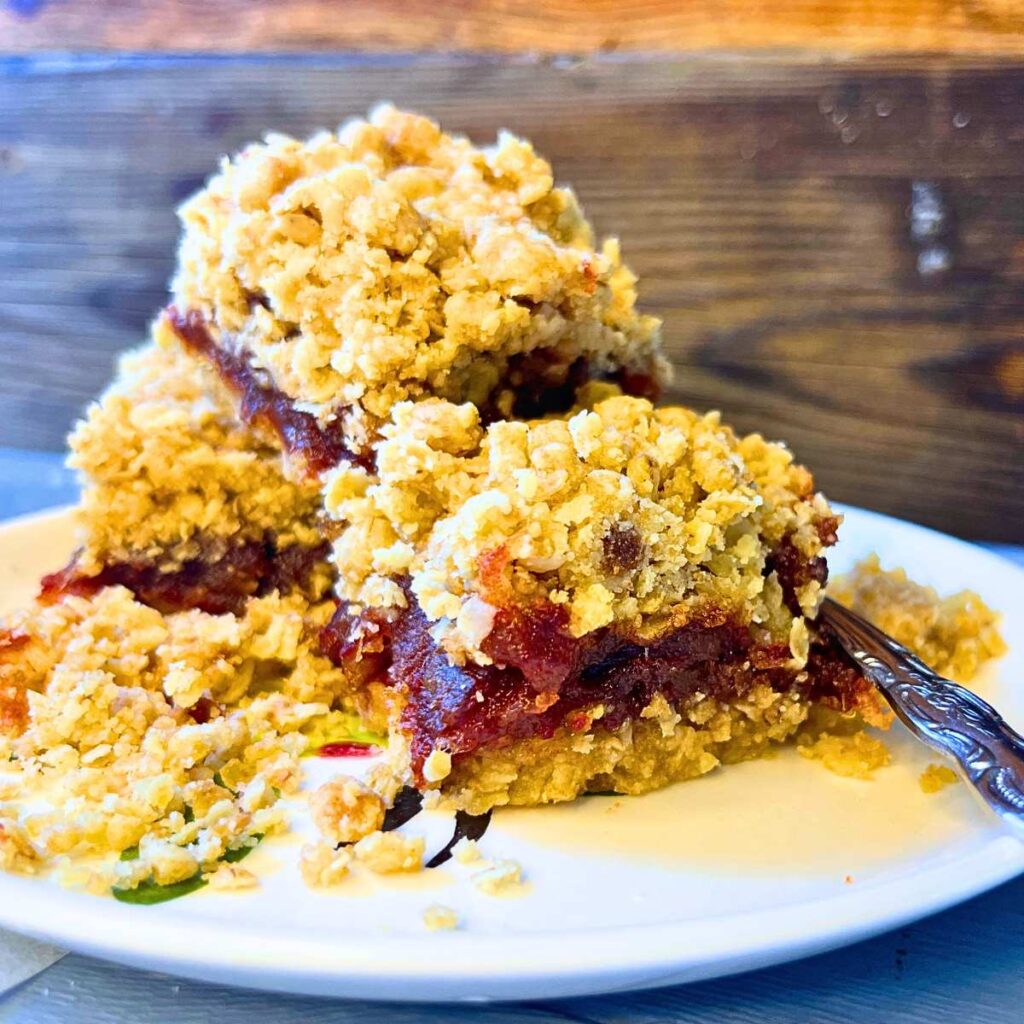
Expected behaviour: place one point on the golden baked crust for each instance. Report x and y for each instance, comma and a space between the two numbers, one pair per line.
391, 261
169, 473
661, 747
624, 514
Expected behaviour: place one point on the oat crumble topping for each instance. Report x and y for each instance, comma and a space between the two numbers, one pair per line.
477, 518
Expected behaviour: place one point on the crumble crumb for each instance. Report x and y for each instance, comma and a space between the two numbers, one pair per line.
322, 865
432, 799
17, 854
856, 756
168, 862
345, 810
466, 850
500, 878
390, 852
440, 918
231, 876
663, 713
438, 766
937, 777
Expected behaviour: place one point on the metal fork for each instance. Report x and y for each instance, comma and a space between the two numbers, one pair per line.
948, 717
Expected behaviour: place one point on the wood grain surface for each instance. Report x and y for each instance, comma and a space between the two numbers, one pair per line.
552, 26
837, 247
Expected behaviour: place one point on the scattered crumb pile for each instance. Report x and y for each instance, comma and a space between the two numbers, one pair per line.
348, 815
145, 780
955, 635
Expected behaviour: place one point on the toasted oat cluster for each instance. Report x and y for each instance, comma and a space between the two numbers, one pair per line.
955, 635
169, 737
390, 261
621, 513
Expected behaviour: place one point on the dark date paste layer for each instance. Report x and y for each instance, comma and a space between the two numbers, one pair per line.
260, 404
543, 384
216, 585
544, 679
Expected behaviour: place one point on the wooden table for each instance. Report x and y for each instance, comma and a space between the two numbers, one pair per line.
505, 26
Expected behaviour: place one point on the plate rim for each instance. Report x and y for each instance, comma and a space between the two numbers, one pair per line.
453, 966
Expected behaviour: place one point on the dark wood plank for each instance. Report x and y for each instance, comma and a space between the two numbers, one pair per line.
766, 203
556, 26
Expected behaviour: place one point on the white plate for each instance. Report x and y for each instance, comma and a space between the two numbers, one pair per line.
761, 863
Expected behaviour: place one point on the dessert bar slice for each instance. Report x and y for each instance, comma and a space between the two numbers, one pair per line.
327, 280
613, 599
392, 450
181, 503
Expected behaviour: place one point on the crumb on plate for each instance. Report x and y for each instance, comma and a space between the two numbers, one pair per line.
345, 810
499, 878
466, 850
388, 853
322, 865
231, 876
440, 918
854, 757
937, 777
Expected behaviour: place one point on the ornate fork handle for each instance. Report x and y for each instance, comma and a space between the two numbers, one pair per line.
946, 716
